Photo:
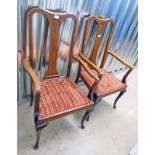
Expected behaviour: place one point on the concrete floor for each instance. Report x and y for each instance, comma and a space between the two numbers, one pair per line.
109, 131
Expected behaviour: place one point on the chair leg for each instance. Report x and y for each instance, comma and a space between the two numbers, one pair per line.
77, 78
88, 112
38, 133
78, 75
31, 101
118, 97
87, 119
95, 102
86, 115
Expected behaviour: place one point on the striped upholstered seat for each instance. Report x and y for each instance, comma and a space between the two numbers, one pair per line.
108, 84
60, 95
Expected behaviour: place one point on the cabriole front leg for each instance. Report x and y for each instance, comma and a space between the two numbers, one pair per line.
118, 97
96, 99
38, 133
87, 119
38, 127
84, 118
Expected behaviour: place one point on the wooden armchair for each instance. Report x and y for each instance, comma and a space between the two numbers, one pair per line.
54, 96
99, 82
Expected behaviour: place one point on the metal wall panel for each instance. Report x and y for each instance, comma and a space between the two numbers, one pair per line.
124, 38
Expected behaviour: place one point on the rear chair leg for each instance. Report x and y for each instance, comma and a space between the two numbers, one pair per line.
77, 78
120, 94
31, 101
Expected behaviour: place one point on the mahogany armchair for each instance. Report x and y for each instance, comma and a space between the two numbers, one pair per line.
54, 96
99, 82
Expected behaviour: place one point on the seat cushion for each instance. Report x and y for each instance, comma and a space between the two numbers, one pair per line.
108, 84
59, 96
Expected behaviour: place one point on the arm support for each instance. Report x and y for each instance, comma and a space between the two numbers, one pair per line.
90, 63
85, 66
124, 63
32, 74
120, 59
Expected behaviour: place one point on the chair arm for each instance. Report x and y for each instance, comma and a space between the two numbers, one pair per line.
32, 74
85, 66
123, 62
90, 63
120, 59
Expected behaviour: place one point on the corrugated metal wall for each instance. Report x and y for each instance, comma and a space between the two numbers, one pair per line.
124, 39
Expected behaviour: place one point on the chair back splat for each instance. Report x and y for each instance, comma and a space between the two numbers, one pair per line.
100, 26
55, 22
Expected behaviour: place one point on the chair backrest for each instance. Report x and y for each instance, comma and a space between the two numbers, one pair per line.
101, 22
55, 20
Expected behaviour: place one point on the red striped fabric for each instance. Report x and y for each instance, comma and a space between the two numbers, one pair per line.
60, 95
108, 83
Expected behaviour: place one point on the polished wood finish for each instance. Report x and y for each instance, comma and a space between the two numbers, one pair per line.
92, 65
81, 101
55, 21
120, 59
124, 63
32, 74
91, 69
92, 62
101, 22
85, 66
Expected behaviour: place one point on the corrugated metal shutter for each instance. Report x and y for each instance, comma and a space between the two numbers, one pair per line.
124, 39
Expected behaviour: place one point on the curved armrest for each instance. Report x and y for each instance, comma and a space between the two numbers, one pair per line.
85, 66
124, 63
120, 59
32, 74
90, 63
